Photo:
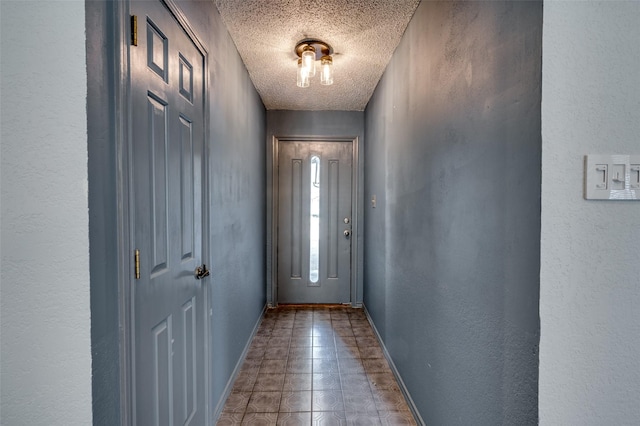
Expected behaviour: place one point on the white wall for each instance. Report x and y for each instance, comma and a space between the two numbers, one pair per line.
590, 250
45, 318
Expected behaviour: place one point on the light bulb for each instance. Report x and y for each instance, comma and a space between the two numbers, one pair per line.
309, 60
303, 75
326, 73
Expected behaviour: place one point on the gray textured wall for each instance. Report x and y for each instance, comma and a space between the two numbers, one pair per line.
45, 373
236, 155
452, 248
103, 215
314, 123
589, 297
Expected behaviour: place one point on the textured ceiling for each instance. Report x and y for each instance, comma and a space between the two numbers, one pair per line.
363, 34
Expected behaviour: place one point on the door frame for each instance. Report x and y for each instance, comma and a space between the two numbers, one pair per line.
121, 19
273, 194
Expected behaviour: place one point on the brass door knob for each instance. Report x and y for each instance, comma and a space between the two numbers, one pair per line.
201, 272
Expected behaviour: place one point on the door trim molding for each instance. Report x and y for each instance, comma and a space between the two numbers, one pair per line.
121, 68
122, 123
272, 249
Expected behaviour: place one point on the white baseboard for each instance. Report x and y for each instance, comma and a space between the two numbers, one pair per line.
236, 370
403, 388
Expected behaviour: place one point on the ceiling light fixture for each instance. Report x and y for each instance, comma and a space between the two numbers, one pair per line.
309, 51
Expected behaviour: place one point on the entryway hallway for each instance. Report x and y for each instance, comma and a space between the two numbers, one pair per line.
315, 365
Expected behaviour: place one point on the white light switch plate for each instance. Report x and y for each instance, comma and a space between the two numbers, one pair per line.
612, 177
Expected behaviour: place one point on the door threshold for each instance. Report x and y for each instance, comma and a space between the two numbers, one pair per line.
310, 305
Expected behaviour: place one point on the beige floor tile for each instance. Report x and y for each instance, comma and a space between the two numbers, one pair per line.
315, 365
294, 419
260, 419
264, 402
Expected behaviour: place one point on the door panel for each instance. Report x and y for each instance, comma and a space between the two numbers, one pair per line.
333, 198
168, 303
314, 190
163, 369
186, 180
157, 128
296, 221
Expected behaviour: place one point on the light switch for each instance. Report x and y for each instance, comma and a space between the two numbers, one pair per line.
612, 177
601, 176
618, 177
634, 182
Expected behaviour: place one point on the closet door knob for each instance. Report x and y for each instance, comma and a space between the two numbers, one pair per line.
201, 272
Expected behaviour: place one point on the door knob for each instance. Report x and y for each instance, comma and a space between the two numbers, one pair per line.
347, 233
201, 272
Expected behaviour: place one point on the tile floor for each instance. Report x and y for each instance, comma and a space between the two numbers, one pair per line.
315, 365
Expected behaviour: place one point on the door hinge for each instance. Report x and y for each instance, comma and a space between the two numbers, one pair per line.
134, 30
136, 261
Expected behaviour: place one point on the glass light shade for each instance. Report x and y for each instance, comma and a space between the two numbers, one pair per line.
303, 75
309, 60
326, 73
